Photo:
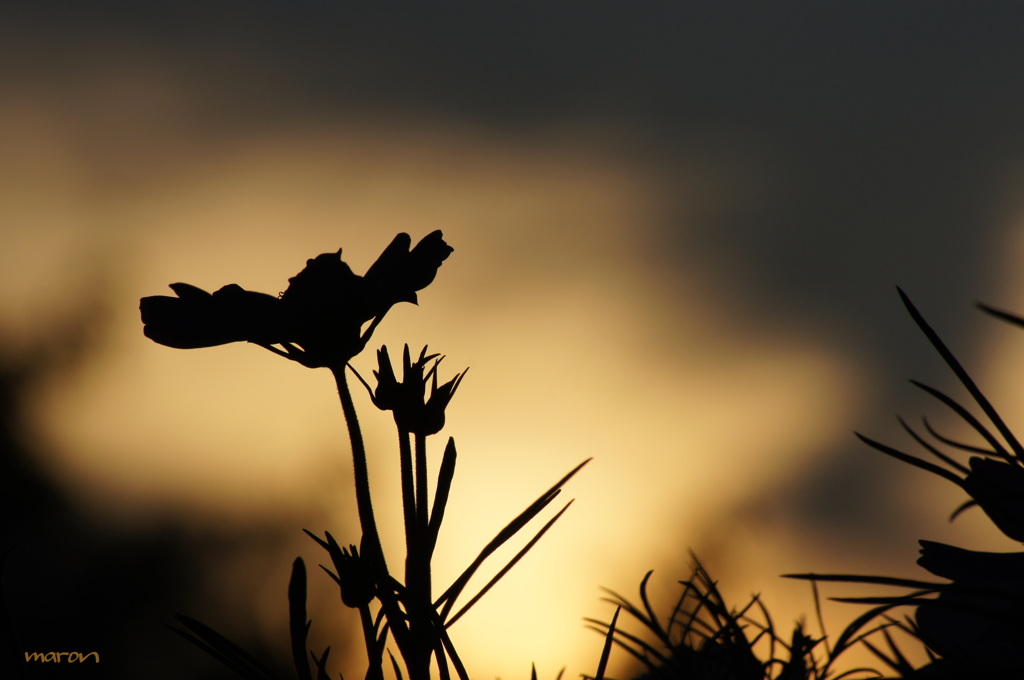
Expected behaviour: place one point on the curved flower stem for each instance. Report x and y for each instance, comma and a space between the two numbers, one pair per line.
372, 549
364, 503
413, 554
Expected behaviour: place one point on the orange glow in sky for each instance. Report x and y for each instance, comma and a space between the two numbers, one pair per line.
583, 341
588, 330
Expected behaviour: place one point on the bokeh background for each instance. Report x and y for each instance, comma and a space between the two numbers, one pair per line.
678, 228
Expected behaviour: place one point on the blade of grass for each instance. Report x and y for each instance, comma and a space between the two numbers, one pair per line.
911, 460
222, 649
967, 417
641, 616
323, 544
639, 648
511, 529
858, 578
1005, 316
507, 567
850, 636
297, 623
442, 661
395, 666
620, 638
955, 444
948, 460
449, 648
444, 484
966, 505
962, 375
655, 625
602, 665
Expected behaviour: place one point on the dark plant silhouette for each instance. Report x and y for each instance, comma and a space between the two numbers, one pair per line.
970, 623
703, 638
323, 319
317, 321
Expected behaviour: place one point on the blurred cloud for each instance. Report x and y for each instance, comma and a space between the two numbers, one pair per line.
556, 296
677, 232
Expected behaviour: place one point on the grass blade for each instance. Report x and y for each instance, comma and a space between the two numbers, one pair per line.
962, 375
507, 567
911, 460
967, 417
602, 665
511, 529
297, 623
222, 649
444, 485
948, 460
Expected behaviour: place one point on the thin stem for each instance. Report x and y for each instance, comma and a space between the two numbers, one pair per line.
372, 549
419, 605
373, 650
408, 496
422, 517
364, 502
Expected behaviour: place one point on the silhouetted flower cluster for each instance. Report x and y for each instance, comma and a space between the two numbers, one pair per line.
407, 399
323, 319
318, 320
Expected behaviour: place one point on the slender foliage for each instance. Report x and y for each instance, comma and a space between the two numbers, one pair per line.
323, 320
969, 622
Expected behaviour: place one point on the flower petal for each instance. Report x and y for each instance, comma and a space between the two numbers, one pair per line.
198, 319
399, 273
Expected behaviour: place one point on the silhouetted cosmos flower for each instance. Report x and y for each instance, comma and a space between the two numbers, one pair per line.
974, 624
998, 489
318, 319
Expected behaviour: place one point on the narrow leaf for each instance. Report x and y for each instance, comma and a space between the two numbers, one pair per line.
963, 376
510, 530
222, 649
1005, 316
507, 567
953, 463
444, 485
967, 417
955, 444
651, 616
297, 623
602, 666
912, 460
449, 648
642, 650
857, 578
394, 665
322, 542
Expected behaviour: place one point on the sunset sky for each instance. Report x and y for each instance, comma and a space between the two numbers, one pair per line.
678, 228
